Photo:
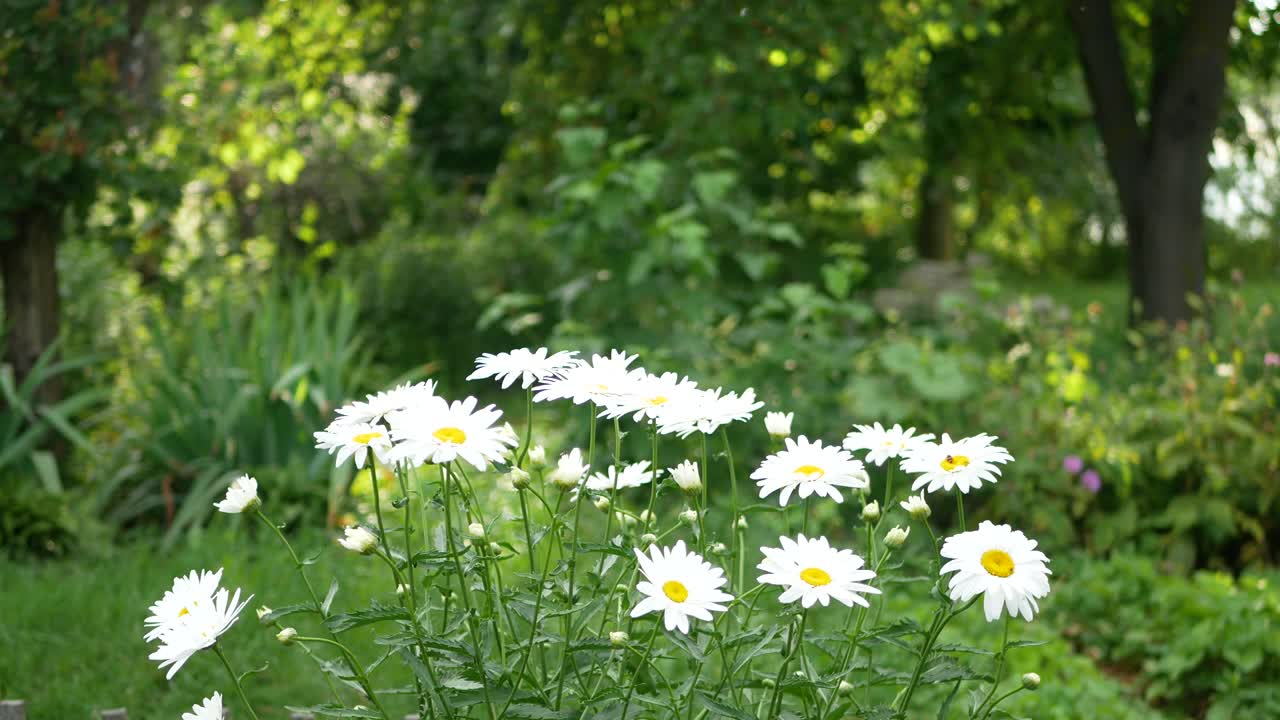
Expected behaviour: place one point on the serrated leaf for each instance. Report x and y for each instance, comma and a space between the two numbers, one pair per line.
684, 642
719, 708
526, 711
343, 622
285, 611
1026, 643
333, 711
461, 683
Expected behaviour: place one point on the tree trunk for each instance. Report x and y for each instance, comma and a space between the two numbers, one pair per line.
1160, 171
29, 270
935, 227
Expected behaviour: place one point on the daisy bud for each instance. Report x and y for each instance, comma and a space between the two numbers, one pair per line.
538, 456
871, 511
402, 589
648, 539
357, 539
896, 537
263, 612
686, 476
519, 478
718, 548
602, 503
1031, 681
476, 531
742, 522
618, 638
495, 548
646, 517
778, 424
845, 688
287, 635
625, 520
689, 517
917, 507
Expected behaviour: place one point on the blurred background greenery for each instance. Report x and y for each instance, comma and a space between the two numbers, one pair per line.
222, 218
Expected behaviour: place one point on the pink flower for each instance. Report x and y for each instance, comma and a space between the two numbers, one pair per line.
1072, 464
1091, 480
1271, 359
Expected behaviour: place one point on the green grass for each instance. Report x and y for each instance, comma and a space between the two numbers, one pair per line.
71, 631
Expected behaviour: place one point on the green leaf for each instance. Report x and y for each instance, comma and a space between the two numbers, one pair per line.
343, 622
333, 711
285, 611
684, 642
526, 711
719, 708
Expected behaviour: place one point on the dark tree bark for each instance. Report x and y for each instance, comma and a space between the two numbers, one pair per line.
935, 226
1159, 170
29, 270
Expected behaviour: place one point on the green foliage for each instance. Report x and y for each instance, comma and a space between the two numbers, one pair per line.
60, 104
228, 385
34, 506
1208, 645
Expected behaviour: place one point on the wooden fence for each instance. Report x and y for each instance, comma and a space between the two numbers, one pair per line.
17, 710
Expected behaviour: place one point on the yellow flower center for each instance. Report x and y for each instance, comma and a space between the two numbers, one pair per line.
998, 563
675, 590
451, 435
951, 462
815, 576
659, 400
600, 387
813, 472
366, 438
183, 612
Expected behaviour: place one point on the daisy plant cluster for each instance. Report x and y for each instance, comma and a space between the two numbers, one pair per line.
641, 577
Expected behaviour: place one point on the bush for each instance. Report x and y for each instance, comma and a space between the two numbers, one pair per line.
227, 385
1208, 645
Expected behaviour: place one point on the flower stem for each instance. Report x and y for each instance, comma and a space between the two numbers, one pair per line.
463, 590
648, 650
217, 649
573, 555
528, 425
794, 638
1000, 656
960, 509
736, 534
351, 660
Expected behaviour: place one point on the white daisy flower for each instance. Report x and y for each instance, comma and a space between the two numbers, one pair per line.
569, 469
521, 364
778, 424
809, 468
188, 594
705, 411
242, 495
680, 585
963, 463
881, 444
646, 395
1002, 564
597, 381
440, 432
204, 620
687, 477
813, 571
348, 439
210, 709
376, 407
357, 539
633, 475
